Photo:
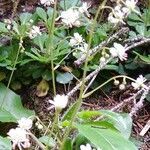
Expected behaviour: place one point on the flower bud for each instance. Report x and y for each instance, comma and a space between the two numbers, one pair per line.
102, 59
107, 55
121, 86
116, 82
40, 126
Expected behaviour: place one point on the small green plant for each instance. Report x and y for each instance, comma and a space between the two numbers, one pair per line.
47, 45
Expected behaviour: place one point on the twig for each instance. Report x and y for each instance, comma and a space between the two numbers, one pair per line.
145, 129
81, 60
127, 100
92, 74
139, 104
144, 41
90, 83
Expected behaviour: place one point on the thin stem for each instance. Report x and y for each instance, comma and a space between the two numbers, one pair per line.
12, 72
37, 141
51, 34
79, 101
113, 78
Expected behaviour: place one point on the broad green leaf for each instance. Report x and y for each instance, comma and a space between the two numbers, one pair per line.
134, 17
101, 124
68, 144
141, 29
122, 122
64, 78
106, 139
5, 144
88, 115
66, 4
25, 17
12, 109
41, 13
69, 113
47, 141
40, 40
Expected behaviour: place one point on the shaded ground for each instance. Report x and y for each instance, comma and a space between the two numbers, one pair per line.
99, 101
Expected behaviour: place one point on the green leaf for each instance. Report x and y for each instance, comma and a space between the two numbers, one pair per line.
106, 139
40, 41
47, 141
122, 122
79, 140
87, 115
68, 144
25, 17
41, 13
141, 29
69, 113
144, 58
3, 28
68, 4
111, 67
134, 17
12, 109
47, 75
64, 78
5, 144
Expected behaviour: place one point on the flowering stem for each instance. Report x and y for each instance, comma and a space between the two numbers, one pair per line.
113, 78
50, 48
37, 141
79, 101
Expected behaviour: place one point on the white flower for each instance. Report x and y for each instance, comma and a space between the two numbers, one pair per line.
84, 8
19, 138
60, 101
25, 123
70, 17
86, 147
83, 48
34, 32
131, 4
139, 82
47, 2
118, 51
117, 15
76, 40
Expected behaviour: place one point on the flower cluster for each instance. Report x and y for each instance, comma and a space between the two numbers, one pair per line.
71, 17
78, 43
59, 102
47, 2
20, 135
118, 51
139, 82
122, 85
35, 31
121, 11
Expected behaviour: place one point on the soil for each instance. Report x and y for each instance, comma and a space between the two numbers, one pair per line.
99, 101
